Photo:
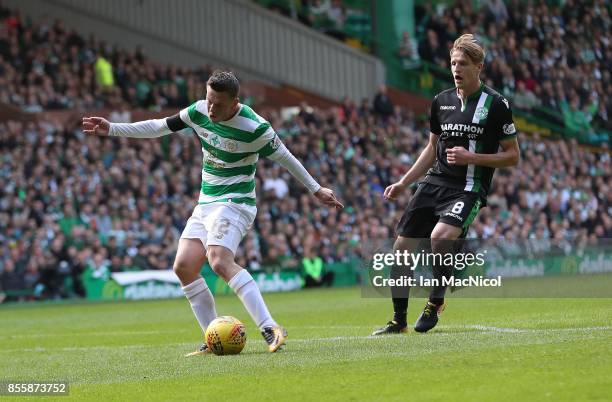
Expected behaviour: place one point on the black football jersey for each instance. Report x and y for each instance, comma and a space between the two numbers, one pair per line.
478, 125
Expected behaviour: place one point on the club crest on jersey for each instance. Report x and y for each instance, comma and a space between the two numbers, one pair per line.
215, 140
509, 129
481, 113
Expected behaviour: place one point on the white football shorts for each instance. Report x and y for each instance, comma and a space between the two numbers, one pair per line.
220, 224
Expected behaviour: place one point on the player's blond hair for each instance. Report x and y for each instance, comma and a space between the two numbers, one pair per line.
471, 47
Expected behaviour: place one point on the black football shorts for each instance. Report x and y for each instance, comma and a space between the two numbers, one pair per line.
431, 204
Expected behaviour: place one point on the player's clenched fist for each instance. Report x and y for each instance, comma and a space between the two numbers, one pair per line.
458, 156
394, 191
96, 126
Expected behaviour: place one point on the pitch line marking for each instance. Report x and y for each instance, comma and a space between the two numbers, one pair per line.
478, 328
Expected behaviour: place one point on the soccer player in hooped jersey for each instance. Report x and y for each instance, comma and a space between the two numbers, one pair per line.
472, 133
233, 137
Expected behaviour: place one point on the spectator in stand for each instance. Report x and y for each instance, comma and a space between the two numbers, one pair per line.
314, 272
524, 99
408, 51
432, 51
11, 282
275, 184
383, 107
122, 114
104, 72
577, 120
602, 117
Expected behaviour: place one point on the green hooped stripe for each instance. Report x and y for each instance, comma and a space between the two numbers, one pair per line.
242, 200
226, 131
215, 190
472, 215
229, 172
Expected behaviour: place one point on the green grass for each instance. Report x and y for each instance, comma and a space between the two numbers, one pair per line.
482, 350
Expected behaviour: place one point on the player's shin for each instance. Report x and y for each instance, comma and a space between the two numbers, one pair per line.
248, 292
400, 294
442, 269
201, 301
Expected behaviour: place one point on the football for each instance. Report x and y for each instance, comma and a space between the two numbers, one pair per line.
225, 335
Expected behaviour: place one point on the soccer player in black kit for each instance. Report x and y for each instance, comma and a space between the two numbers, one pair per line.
472, 133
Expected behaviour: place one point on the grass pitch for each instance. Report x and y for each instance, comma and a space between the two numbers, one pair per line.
483, 349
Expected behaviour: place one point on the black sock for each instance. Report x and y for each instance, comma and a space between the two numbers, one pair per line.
400, 306
438, 301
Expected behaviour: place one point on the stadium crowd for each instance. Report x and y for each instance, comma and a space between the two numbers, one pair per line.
46, 66
552, 58
71, 204
539, 53
74, 206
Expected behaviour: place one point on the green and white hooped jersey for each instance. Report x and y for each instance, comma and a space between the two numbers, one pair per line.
478, 125
230, 152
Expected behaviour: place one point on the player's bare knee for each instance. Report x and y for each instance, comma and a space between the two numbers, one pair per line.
404, 243
182, 269
444, 240
219, 263
445, 232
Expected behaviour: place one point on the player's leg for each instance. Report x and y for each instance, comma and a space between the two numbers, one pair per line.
399, 294
242, 283
228, 225
443, 241
416, 223
457, 211
190, 257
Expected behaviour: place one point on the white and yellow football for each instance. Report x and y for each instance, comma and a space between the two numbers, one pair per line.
225, 335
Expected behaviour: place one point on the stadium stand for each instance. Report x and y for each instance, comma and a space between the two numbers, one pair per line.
72, 205
45, 66
553, 59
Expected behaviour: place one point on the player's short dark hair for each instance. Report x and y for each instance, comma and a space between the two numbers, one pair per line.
224, 81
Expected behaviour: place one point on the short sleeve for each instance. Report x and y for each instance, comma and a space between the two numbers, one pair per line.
434, 122
502, 124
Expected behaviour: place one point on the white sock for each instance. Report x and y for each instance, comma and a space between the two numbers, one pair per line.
202, 302
245, 287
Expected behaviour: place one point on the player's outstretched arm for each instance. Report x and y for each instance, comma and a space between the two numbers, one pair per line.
425, 161
286, 159
142, 129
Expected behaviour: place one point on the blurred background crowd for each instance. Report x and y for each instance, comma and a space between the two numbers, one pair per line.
72, 205
552, 58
